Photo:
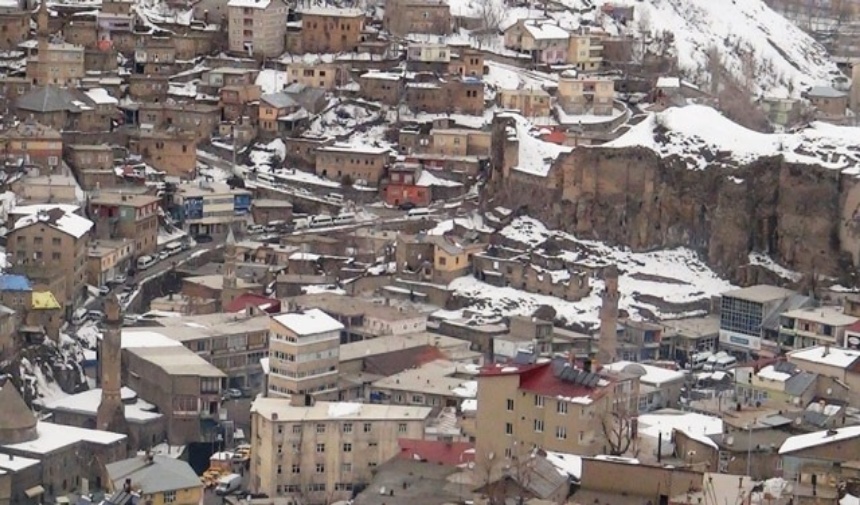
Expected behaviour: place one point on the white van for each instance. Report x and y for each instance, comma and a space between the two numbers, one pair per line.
712, 361
698, 360
173, 248
725, 363
145, 262
320, 221
346, 217
334, 197
301, 223
228, 484
419, 213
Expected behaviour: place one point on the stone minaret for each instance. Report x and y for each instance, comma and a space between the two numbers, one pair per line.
42, 29
229, 286
111, 412
608, 345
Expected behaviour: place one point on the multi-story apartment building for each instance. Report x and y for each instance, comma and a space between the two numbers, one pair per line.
92, 165
184, 386
329, 30
126, 216
200, 118
403, 17
585, 51
322, 72
35, 144
531, 102
211, 208
586, 95
812, 326
257, 27
459, 142
170, 150
16, 26
235, 343
364, 163
51, 243
385, 87
743, 313
57, 64
107, 259
552, 405
543, 40
464, 95
303, 353
318, 452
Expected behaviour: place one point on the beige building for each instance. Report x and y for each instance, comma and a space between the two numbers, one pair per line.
303, 353
52, 242
551, 405
120, 215
315, 72
330, 30
106, 259
459, 142
531, 102
318, 452
257, 27
586, 95
585, 51
57, 64
359, 162
235, 343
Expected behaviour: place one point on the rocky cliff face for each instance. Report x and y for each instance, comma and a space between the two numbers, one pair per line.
802, 216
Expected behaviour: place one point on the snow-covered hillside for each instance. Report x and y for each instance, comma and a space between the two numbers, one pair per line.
703, 137
659, 283
786, 59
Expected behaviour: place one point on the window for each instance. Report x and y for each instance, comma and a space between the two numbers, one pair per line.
509, 453
55, 256
347, 447
442, 260
320, 428
401, 428
561, 407
581, 436
320, 468
346, 467
509, 429
55, 241
280, 448
347, 427
561, 432
280, 469
510, 405
297, 429
538, 424
539, 400
296, 469
367, 427
320, 447
169, 496
417, 399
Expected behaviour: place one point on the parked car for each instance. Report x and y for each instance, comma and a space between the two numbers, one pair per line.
233, 393
104, 290
119, 279
406, 206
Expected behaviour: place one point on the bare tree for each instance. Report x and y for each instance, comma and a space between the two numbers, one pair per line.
502, 478
491, 14
618, 430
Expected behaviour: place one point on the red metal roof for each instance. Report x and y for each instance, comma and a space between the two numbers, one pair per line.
436, 451
245, 300
539, 378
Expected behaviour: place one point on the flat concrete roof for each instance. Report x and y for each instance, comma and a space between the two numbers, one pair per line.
761, 293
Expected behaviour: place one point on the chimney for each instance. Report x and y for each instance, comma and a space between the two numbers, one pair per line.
826, 350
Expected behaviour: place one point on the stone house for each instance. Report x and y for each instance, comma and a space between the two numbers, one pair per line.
92, 165
531, 102
238, 101
107, 259
315, 71
154, 56
15, 27
452, 258
331, 30
427, 57
35, 144
218, 78
266, 210
58, 64
170, 150
200, 118
734, 452
403, 17
459, 142
278, 113
813, 461
358, 162
458, 95
466, 62
830, 104
71, 110
382, 87
543, 40
119, 215
148, 87
303, 150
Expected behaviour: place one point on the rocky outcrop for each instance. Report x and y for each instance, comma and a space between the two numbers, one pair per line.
802, 216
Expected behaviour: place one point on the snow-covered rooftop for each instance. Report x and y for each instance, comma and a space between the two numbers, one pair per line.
654, 375
56, 436
100, 96
770, 373
702, 137
428, 179
16, 463
144, 338
70, 224
249, 4
807, 440
830, 356
535, 156
309, 322
694, 425
543, 30
567, 465
354, 148
87, 402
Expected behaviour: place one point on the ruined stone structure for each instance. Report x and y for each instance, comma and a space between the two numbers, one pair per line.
521, 272
111, 412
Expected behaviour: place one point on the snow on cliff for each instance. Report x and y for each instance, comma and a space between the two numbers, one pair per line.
703, 137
